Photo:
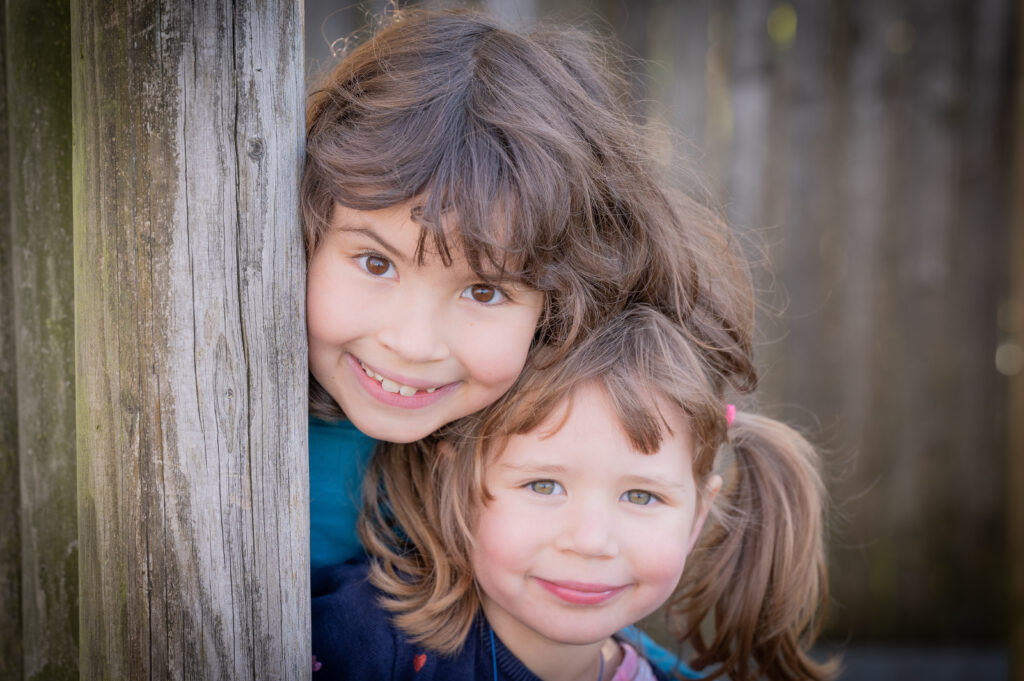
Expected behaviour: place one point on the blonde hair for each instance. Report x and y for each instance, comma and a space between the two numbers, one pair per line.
758, 569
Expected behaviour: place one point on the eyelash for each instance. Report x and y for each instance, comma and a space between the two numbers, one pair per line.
499, 292
365, 257
502, 295
532, 487
652, 498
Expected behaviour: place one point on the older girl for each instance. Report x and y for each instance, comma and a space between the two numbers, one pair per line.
471, 196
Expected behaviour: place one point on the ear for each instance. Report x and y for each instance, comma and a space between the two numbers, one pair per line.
714, 484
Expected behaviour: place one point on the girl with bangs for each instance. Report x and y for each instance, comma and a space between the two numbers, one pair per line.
476, 200
521, 542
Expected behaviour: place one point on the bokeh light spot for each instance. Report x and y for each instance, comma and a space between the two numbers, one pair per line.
1009, 359
782, 25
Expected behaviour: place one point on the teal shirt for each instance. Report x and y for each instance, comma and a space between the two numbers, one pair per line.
338, 454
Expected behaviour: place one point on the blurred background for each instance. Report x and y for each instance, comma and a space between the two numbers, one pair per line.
870, 154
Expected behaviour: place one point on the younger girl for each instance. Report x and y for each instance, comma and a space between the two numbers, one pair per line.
518, 544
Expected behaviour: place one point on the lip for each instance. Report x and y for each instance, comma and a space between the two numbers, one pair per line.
581, 593
418, 401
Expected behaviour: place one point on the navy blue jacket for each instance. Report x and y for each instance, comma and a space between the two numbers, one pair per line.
353, 638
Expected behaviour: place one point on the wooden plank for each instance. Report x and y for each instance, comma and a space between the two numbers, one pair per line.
865, 157
193, 504
943, 498
748, 65
803, 228
869, 167
1013, 327
978, 289
10, 512
39, 115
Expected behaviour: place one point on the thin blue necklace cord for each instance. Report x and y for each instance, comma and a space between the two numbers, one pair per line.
494, 655
494, 658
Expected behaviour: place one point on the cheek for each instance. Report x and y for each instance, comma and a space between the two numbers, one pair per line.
660, 563
322, 301
502, 540
331, 317
494, 353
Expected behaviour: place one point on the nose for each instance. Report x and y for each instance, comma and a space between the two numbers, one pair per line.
414, 331
588, 530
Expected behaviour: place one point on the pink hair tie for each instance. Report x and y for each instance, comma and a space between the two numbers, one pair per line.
730, 414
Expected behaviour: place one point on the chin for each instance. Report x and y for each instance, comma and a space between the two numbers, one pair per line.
388, 433
581, 635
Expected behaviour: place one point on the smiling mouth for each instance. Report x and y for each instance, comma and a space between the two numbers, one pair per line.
389, 386
580, 593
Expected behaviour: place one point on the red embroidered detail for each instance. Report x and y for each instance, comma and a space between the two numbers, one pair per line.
419, 661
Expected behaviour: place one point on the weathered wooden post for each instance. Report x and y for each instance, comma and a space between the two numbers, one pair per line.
10, 532
39, 134
190, 347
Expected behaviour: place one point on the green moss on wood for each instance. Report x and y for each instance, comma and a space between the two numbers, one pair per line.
39, 115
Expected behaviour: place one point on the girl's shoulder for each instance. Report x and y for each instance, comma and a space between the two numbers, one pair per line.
351, 635
354, 636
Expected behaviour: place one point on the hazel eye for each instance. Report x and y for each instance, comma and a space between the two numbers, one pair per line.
484, 294
545, 487
377, 265
638, 497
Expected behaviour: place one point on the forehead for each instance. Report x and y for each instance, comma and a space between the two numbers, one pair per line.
586, 429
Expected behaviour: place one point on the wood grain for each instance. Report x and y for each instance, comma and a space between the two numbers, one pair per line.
10, 511
39, 120
193, 504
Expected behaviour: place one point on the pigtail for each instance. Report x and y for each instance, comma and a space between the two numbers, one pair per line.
759, 569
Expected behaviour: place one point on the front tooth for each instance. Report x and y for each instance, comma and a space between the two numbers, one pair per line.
389, 385
406, 391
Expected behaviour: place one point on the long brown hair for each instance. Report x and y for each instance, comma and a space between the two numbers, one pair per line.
758, 570
518, 149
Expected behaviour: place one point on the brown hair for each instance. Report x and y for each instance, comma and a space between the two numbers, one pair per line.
524, 142
758, 569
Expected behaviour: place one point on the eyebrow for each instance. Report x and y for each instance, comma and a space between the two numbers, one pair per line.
368, 232
534, 468
555, 469
644, 481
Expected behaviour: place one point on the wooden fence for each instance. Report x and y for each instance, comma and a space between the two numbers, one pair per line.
154, 434
862, 149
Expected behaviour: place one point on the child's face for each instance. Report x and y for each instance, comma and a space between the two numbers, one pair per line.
406, 348
585, 535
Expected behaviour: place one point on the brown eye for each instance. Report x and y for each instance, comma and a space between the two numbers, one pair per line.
482, 293
376, 265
